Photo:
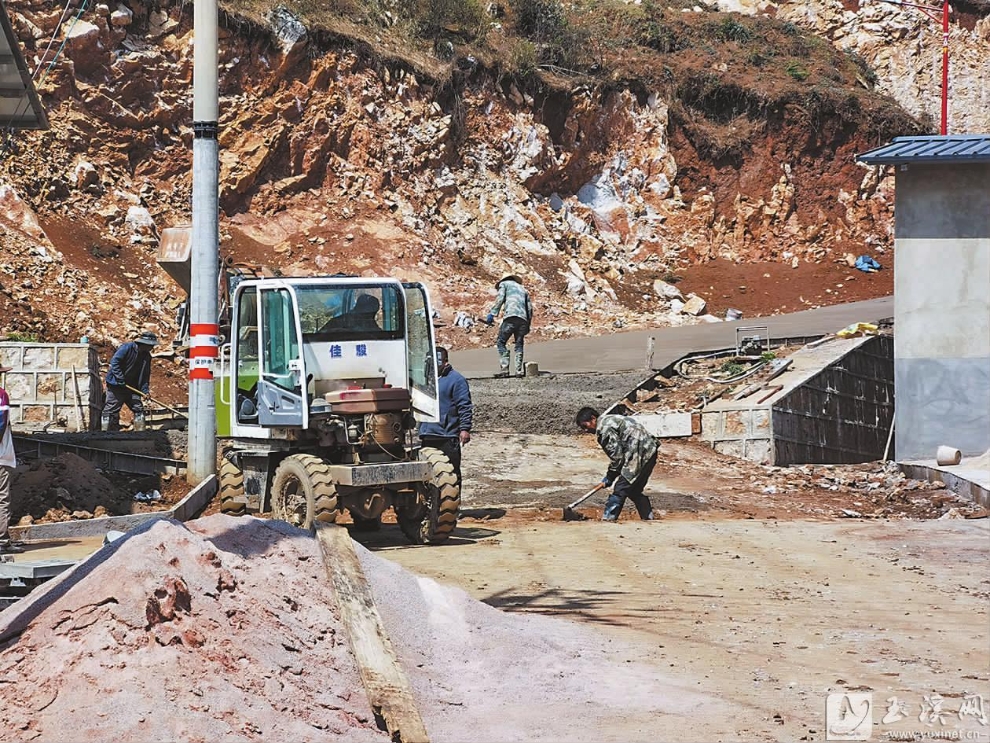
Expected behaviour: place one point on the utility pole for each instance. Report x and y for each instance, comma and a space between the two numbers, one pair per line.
941, 15
205, 259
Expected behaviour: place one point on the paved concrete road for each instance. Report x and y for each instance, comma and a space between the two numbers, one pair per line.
627, 351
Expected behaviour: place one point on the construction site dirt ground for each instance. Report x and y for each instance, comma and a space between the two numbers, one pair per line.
753, 588
732, 617
769, 616
757, 593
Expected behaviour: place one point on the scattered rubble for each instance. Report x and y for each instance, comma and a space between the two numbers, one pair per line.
708, 378
869, 490
67, 487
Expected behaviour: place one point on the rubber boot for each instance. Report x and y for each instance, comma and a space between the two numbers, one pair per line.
138, 423
520, 367
105, 423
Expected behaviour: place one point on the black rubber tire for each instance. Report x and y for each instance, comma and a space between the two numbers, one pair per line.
433, 521
303, 491
231, 491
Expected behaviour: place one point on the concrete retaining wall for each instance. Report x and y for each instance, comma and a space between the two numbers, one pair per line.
843, 413
835, 406
41, 386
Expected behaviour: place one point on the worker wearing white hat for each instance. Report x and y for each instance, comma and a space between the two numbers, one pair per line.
518, 308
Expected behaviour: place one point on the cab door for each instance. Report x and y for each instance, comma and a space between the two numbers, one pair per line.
282, 398
240, 391
421, 354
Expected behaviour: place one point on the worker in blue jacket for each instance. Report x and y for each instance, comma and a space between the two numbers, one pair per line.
454, 428
130, 367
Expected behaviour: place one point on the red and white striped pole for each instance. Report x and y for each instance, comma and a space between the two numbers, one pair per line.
945, 67
204, 343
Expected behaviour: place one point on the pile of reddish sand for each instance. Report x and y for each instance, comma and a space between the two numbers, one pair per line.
225, 631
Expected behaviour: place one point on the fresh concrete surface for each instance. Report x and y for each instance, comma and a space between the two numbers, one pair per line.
942, 345
627, 351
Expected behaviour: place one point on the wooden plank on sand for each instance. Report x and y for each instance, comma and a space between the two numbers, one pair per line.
385, 682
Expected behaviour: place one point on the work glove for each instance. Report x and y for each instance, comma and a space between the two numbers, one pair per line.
490, 320
607, 481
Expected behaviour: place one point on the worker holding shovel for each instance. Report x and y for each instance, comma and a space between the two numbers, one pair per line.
128, 381
632, 454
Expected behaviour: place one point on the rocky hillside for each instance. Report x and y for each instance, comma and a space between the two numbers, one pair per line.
904, 49
618, 145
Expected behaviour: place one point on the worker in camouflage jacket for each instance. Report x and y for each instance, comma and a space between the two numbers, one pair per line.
514, 300
632, 453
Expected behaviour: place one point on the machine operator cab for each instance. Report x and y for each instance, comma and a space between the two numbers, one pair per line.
295, 343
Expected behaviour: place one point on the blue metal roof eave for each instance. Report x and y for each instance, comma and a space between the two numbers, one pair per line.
896, 160
930, 150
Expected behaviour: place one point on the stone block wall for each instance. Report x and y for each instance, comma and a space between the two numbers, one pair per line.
41, 386
743, 432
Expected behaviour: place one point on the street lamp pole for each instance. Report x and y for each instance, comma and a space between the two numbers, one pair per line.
203, 295
940, 14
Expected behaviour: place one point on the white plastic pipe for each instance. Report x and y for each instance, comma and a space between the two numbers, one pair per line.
947, 456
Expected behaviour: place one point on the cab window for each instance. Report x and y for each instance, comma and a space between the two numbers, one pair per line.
352, 312
281, 343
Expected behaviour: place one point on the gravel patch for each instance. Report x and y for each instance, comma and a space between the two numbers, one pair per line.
545, 404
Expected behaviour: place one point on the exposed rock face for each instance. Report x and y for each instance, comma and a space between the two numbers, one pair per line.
904, 47
331, 164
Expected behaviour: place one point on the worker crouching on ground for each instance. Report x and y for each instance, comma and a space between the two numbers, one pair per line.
632, 454
514, 299
456, 410
130, 370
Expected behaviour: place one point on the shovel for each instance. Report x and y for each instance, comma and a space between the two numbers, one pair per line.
570, 514
157, 402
